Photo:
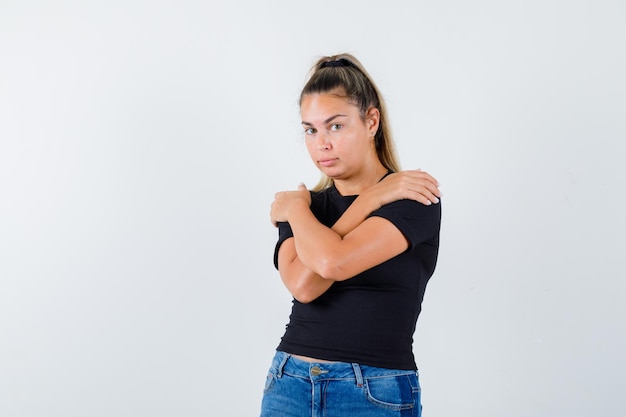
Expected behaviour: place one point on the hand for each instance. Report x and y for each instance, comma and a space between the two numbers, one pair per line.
415, 185
285, 201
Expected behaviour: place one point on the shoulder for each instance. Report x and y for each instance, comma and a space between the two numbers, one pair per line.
410, 209
418, 222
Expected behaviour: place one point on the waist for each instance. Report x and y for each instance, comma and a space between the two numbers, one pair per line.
311, 360
323, 370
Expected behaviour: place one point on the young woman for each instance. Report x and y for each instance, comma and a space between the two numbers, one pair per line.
356, 253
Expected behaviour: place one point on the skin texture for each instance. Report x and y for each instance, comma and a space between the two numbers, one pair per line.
341, 144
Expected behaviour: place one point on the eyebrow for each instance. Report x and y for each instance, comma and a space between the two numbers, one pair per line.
331, 118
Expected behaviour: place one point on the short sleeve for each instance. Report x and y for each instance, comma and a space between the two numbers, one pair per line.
284, 233
417, 222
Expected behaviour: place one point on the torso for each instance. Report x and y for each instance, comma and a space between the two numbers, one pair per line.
311, 360
368, 319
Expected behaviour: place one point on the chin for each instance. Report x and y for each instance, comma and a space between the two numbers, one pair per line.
331, 173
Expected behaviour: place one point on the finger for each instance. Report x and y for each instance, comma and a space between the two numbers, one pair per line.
433, 189
302, 187
428, 181
424, 174
425, 196
432, 198
421, 198
423, 183
432, 193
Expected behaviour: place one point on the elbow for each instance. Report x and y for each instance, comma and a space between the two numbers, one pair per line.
304, 294
303, 297
330, 268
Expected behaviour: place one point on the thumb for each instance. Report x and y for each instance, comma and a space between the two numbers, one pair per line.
302, 187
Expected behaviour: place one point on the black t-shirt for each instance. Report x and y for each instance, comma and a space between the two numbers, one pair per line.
370, 318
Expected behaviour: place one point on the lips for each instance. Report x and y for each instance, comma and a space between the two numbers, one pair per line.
326, 162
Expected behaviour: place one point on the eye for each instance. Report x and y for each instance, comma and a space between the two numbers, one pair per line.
335, 127
309, 131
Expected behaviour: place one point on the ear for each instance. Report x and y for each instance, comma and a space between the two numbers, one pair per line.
372, 119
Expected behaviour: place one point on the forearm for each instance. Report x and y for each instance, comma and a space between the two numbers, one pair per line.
315, 243
358, 211
304, 284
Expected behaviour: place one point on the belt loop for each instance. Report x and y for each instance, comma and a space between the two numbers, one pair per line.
358, 374
281, 365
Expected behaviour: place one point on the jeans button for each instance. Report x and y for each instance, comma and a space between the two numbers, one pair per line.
316, 371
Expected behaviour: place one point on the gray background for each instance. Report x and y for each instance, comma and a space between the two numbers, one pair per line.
141, 143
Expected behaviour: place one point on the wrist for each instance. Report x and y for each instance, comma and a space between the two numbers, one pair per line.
298, 208
370, 201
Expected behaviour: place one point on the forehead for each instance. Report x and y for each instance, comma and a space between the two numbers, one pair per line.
322, 105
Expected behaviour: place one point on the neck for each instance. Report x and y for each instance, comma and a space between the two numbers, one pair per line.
358, 184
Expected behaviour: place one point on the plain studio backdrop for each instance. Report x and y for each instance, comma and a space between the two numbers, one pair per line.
142, 142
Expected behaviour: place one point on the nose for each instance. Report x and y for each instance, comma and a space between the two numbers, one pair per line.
323, 142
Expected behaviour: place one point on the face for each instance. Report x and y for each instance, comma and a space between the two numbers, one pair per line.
340, 142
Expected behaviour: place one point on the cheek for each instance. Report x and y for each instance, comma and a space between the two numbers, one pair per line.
310, 147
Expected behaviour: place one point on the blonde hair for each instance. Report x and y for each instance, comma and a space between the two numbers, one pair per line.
345, 72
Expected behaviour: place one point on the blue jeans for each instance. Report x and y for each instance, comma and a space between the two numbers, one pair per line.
296, 388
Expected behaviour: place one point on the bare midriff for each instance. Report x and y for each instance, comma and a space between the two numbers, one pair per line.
309, 359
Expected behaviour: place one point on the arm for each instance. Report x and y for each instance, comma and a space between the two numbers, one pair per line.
413, 185
306, 285
337, 258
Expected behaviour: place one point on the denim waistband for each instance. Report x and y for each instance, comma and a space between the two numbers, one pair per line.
284, 363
